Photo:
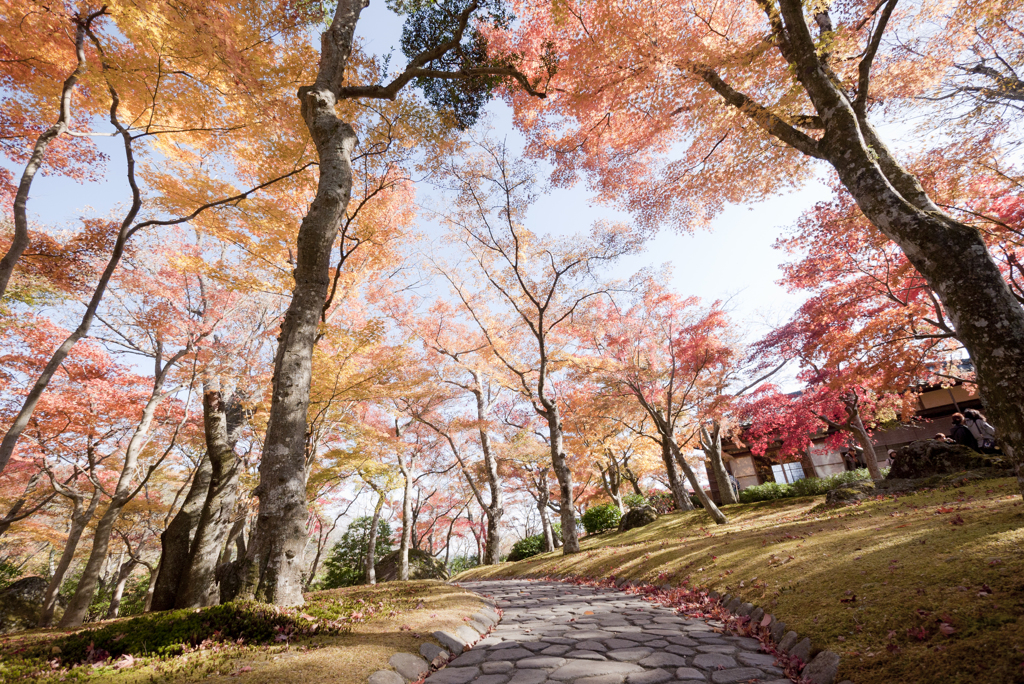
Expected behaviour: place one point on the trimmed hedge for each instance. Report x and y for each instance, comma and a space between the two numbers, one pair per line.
810, 486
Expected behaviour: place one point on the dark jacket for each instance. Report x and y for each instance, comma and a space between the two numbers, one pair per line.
961, 435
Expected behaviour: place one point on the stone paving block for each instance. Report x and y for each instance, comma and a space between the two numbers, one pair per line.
576, 669
746, 643
543, 662
657, 643
739, 674
586, 655
591, 645
683, 641
467, 633
491, 679
555, 650
536, 646
474, 657
788, 641
453, 643
717, 648
823, 668
386, 677
431, 651
454, 675
489, 641
479, 625
620, 643
410, 666
662, 659
756, 659
649, 677
756, 615
802, 650
629, 654
601, 679
508, 654
590, 634
497, 667
680, 650
689, 673
529, 677
711, 661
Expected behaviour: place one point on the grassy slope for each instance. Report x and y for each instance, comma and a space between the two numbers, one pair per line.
873, 581
350, 657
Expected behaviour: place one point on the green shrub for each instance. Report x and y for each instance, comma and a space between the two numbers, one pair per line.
769, 491
631, 501
462, 563
662, 502
600, 518
524, 548
531, 546
809, 486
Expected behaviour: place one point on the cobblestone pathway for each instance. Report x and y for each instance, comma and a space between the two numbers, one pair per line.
560, 633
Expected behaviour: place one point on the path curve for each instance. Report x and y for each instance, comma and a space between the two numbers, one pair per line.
557, 633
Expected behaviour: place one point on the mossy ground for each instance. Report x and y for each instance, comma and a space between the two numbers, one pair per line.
395, 616
875, 581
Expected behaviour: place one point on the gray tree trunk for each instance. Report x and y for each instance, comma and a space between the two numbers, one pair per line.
542, 508
197, 587
496, 509
371, 544
567, 513
403, 555
675, 483
705, 500
80, 518
123, 573
274, 562
176, 540
78, 607
711, 444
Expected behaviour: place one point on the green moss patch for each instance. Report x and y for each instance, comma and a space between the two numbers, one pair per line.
921, 587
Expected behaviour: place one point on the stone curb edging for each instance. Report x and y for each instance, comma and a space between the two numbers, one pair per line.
414, 668
821, 669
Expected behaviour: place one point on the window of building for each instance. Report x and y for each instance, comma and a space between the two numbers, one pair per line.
788, 472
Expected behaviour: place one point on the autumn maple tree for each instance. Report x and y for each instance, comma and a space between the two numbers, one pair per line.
680, 108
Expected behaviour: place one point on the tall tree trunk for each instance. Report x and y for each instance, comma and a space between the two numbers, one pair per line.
197, 587
705, 500
148, 605
542, 508
371, 544
496, 509
176, 540
123, 573
78, 607
403, 549
711, 444
275, 557
675, 483
570, 539
80, 518
862, 436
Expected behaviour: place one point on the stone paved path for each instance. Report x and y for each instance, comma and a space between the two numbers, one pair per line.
559, 633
